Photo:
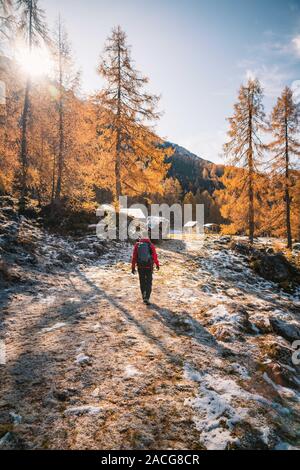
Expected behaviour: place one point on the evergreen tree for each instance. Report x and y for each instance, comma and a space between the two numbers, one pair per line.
245, 147
284, 128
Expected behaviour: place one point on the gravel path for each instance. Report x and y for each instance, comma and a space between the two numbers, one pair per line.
89, 366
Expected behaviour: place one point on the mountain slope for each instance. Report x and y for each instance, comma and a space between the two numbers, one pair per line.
192, 171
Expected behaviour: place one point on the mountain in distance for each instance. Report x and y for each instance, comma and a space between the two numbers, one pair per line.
193, 172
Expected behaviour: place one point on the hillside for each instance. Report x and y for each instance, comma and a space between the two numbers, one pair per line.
192, 171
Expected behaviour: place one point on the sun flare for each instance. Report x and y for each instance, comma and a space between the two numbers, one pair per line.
36, 62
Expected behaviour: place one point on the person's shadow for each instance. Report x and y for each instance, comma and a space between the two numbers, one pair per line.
184, 324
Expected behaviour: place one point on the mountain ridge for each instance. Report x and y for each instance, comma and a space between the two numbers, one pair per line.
192, 171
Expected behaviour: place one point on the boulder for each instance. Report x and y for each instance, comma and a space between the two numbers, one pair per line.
65, 257
281, 376
288, 331
273, 267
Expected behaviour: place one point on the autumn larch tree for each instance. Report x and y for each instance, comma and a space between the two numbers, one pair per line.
33, 27
245, 147
67, 81
136, 154
285, 146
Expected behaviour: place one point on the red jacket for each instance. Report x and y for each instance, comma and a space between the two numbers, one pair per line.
135, 253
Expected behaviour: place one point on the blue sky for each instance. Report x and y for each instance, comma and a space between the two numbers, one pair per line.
195, 52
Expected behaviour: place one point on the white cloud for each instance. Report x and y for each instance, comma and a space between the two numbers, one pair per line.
295, 87
250, 75
208, 145
296, 45
272, 78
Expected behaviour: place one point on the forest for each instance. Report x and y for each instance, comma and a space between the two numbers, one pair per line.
59, 148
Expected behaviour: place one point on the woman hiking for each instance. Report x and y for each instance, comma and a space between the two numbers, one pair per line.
144, 256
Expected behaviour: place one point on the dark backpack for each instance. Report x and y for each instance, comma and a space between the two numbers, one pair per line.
144, 254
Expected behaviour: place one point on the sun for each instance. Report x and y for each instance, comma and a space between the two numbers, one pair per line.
36, 63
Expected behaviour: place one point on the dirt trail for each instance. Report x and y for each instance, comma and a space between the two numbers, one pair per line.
89, 366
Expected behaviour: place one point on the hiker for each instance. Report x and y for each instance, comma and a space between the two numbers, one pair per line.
144, 256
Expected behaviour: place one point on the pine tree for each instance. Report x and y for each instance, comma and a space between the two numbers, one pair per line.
284, 128
33, 27
245, 147
127, 107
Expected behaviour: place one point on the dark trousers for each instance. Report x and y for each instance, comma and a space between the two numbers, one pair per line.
145, 275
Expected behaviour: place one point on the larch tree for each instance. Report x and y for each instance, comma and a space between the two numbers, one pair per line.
67, 81
33, 27
138, 160
244, 148
285, 146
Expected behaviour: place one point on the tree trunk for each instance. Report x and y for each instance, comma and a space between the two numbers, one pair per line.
24, 148
61, 123
53, 181
250, 176
24, 125
118, 132
287, 190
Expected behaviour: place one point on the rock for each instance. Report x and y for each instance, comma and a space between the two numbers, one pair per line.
224, 239
82, 359
280, 353
262, 325
65, 257
242, 248
269, 265
16, 419
9, 212
281, 376
223, 332
60, 395
276, 268
5, 439
289, 331
273, 267
8, 201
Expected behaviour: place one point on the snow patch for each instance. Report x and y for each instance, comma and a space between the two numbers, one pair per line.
54, 327
241, 370
221, 404
81, 410
82, 359
131, 371
220, 314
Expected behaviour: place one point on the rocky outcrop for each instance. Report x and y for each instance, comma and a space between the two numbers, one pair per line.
288, 331
26, 245
269, 265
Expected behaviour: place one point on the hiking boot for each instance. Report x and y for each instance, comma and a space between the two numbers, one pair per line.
146, 301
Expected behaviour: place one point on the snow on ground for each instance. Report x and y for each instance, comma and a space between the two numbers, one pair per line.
89, 366
221, 404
